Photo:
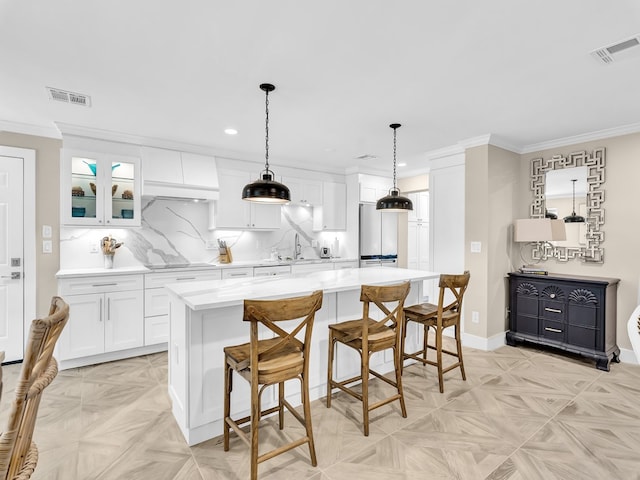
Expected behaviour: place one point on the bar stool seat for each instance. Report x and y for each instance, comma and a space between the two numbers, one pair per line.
367, 336
439, 317
272, 361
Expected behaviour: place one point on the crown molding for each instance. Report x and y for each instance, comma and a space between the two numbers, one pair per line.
29, 129
583, 138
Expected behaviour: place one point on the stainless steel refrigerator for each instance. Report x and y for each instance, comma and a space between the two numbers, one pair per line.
378, 237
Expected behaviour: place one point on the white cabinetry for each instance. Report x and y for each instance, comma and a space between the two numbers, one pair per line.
99, 189
420, 212
234, 212
344, 265
311, 267
169, 172
237, 272
374, 188
274, 271
304, 192
332, 215
106, 315
156, 301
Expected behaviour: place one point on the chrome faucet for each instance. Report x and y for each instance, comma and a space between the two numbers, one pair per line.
297, 248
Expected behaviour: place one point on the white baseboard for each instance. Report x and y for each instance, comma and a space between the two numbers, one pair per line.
497, 341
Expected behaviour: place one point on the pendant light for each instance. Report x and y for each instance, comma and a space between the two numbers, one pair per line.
394, 202
266, 189
573, 218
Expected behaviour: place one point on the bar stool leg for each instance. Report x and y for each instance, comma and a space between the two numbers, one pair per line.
365, 389
439, 358
332, 344
425, 342
228, 386
255, 419
281, 405
398, 366
459, 345
306, 405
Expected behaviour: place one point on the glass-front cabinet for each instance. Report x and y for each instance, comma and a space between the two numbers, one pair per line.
100, 189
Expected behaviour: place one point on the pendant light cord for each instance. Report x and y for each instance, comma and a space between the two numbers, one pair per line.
394, 158
266, 130
574, 196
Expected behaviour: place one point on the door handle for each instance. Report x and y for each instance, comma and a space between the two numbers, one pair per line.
13, 276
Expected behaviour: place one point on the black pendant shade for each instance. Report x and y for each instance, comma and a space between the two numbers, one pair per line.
266, 189
573, 218
394, 202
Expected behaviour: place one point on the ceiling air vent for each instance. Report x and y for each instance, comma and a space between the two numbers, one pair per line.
69, 97
621, 49
366, 156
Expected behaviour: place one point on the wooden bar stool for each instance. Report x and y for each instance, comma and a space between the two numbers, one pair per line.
367, 336
269, 362
439, 317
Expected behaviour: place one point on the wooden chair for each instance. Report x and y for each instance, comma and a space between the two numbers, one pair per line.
633, 329
439, 317
272, 361
18, 454
367, 336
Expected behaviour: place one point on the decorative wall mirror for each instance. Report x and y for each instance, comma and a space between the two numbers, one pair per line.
552, 183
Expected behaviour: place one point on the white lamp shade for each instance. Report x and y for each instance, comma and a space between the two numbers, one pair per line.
539, 230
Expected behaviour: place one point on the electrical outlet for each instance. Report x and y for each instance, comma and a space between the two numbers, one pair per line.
211, 245
475, 317
93, 248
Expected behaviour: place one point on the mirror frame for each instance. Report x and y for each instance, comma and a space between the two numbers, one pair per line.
592, 252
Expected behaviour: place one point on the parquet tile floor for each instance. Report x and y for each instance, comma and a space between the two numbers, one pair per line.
521, 414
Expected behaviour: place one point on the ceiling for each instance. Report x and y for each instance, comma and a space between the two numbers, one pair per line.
344, 70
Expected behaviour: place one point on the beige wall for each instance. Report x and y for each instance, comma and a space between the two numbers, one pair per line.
621, 227
47, 209
492, 186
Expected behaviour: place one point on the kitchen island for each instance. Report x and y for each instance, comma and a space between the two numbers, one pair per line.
206, 316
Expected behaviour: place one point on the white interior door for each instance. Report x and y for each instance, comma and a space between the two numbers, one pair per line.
11, 257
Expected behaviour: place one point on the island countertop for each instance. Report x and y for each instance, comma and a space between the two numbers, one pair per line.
202, 295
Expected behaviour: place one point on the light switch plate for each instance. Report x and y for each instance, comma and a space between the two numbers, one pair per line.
476, 247
47, 246
47, 231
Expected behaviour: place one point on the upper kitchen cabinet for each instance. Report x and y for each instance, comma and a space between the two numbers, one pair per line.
420, 212
99, 189
234, 212
178, 174
373, 188
332, 215
304, 192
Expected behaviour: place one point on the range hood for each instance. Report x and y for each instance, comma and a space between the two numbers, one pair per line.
173, 174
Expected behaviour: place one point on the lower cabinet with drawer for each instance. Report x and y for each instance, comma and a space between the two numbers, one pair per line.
156, 300
105, 315
573, 313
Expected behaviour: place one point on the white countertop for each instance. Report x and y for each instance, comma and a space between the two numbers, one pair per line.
94, 271
202, 295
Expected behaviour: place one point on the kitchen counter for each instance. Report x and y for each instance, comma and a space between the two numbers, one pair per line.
223, 293
206, 316
97, 271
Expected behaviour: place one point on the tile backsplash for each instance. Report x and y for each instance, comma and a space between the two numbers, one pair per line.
176, 231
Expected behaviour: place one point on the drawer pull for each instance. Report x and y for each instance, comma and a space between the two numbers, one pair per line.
237, 274
104, 284
554, 330
185, 278
554, 310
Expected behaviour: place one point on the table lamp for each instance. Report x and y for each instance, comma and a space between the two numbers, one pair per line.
537, 230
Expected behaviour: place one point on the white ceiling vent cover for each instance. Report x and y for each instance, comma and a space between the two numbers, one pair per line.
618, 50
69, 97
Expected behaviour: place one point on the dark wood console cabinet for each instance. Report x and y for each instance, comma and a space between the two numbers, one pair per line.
573, 313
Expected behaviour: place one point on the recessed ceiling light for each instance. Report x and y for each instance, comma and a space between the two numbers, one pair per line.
402, 164
230, 131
